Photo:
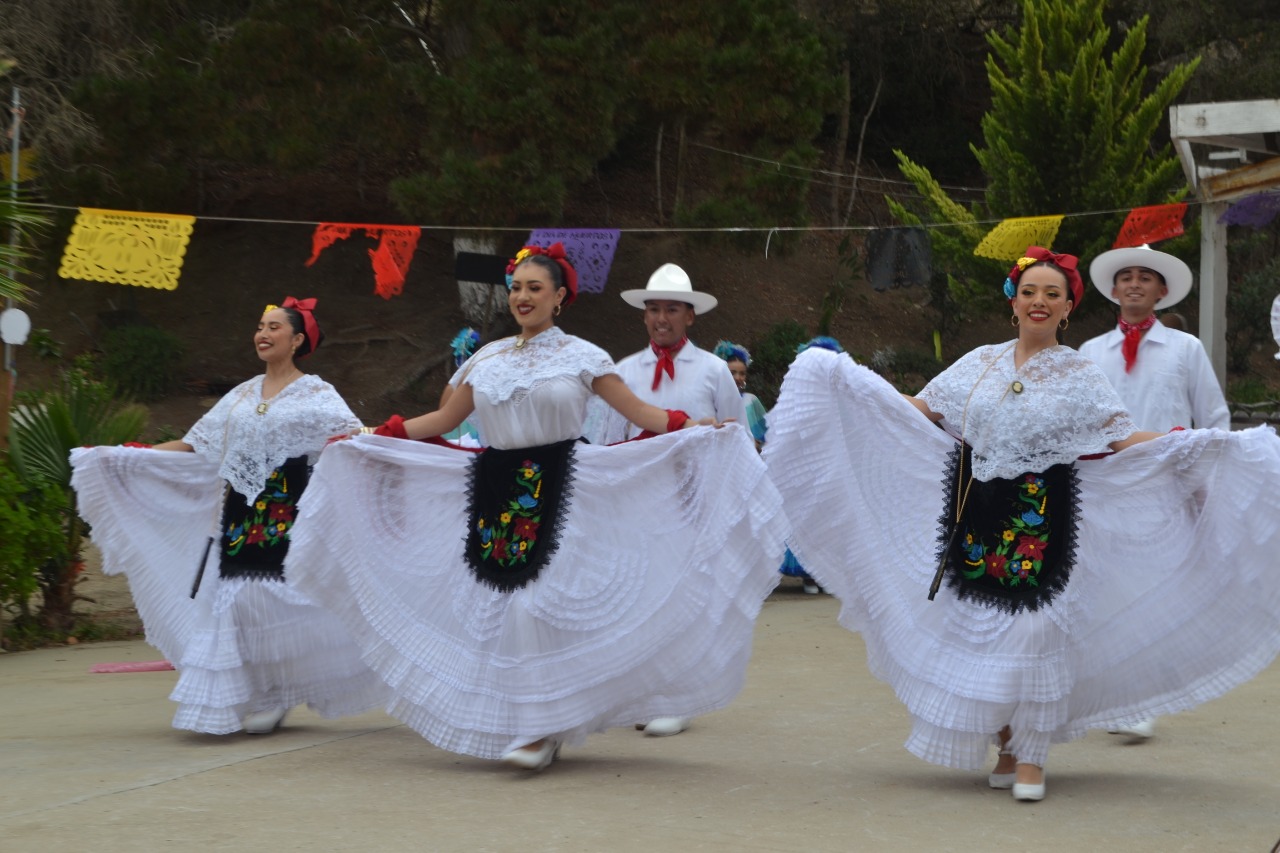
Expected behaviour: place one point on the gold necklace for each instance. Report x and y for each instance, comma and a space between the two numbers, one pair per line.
262, 407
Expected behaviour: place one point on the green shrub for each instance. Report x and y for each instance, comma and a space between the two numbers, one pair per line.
771, 356
32, 520
142, 361
1249, 314
81, 412
906, 367
166, 432
1251, 390
44, 345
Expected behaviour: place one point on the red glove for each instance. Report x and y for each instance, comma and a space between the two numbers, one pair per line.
393, 428
675, 421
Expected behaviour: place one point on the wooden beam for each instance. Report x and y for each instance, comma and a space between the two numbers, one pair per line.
1188, 162
1236, 183
1224, 118
1213, 287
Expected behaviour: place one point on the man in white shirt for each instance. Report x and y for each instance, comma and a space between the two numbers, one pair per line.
671, 373
1275, 323
1163, 375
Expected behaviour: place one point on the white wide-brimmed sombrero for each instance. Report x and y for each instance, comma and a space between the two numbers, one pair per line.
670, 282
1177, 275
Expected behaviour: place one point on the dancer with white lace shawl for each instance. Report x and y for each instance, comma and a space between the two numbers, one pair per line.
543, 589
247, 646
1071, 592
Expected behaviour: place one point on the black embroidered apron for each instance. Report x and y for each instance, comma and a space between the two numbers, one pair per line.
517, 500
1015, 542
255, 537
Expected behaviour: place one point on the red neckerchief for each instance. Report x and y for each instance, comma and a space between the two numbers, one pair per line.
1133, 333
666, 360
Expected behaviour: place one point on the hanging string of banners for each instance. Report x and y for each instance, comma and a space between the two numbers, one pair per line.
147, 249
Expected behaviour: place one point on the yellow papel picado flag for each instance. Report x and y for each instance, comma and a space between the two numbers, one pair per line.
126, 247
1010, 238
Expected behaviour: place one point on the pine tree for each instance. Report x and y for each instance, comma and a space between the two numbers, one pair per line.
1069, 130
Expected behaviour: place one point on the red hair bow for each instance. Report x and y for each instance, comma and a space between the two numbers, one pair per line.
1066, 263
305, 307
556, 253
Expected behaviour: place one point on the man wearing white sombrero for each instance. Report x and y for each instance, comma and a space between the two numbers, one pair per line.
1163, 375
672, 373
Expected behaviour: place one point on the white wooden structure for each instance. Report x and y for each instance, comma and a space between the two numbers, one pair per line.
1229, 150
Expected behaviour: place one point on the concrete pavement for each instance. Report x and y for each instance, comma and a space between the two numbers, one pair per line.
809, 758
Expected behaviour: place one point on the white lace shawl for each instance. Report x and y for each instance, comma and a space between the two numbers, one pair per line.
247, 446
536, 394
1066, 409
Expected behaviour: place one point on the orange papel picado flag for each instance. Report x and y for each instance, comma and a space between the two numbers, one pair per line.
127, 247
1010, 238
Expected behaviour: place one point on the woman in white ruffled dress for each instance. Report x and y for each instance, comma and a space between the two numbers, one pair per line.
246, 645
544, 589
1076, 588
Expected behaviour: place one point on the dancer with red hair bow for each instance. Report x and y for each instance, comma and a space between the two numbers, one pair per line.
247, 646
543, 589
1038, 566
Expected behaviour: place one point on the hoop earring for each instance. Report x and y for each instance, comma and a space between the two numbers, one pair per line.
1066, 321
557, 311
1013, 321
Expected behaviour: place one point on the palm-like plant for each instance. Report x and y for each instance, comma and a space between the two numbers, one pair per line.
20, 219
13, 255
81, 412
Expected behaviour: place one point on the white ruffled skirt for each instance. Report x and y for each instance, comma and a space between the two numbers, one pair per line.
240, 645
667, 549
1174, 598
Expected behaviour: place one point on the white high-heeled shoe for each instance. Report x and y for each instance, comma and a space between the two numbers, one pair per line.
1002, 781
1136, 733
264, 722
666, 726
1027, 793
535, 759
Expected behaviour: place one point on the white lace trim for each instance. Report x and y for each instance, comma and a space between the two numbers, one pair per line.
503, 372
1065, 409
247, 446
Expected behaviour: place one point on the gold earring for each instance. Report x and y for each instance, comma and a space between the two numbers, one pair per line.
1013, 321
1066, 321
557, 309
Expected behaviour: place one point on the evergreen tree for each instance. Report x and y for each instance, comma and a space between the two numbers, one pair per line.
750, 76
1069, 130
523, 107
197, 89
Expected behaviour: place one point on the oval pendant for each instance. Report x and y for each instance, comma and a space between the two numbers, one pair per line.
262, 408
1016, 387
520, 342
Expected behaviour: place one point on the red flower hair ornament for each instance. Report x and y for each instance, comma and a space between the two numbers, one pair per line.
556, 253
304, 307
1037, 254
